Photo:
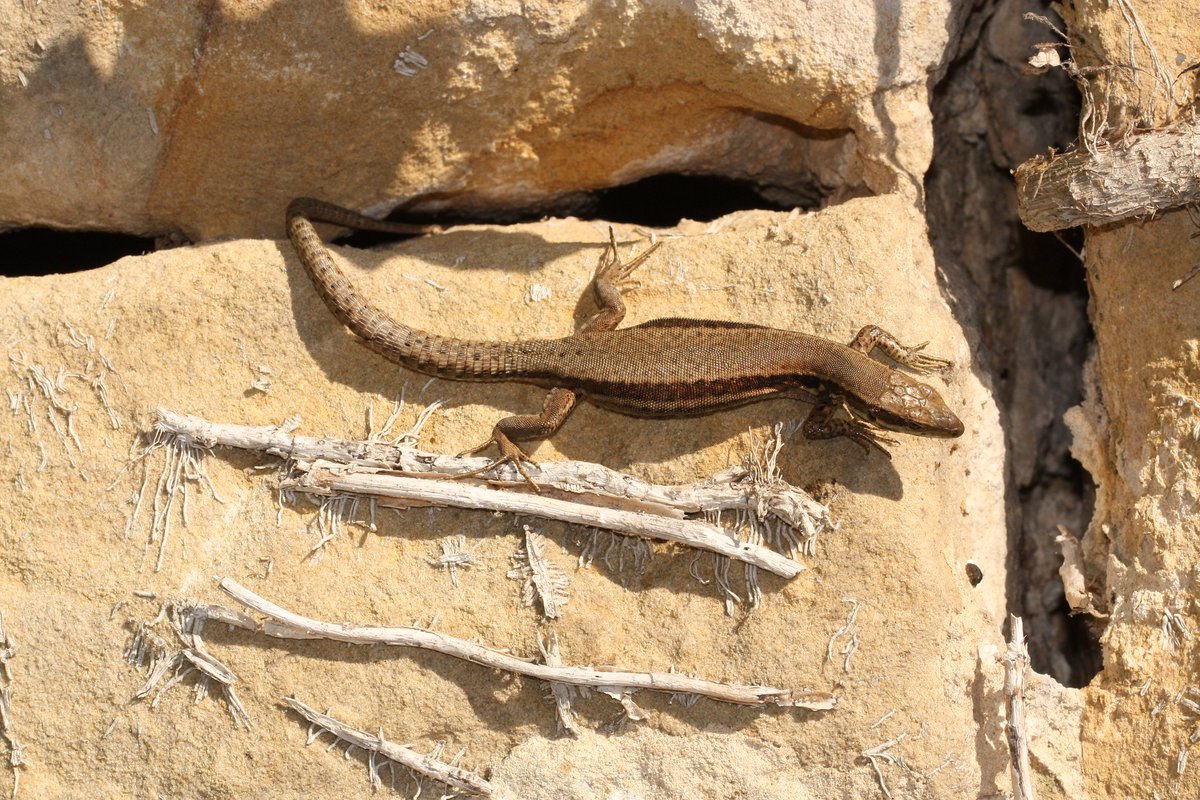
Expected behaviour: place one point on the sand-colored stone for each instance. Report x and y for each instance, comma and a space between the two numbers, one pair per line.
188, 329
1136, 431
207, 118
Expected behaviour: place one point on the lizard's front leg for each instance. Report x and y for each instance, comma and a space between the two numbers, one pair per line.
510, 430
872, 336
822, 424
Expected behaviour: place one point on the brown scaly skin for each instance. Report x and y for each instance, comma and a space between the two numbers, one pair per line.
661, 368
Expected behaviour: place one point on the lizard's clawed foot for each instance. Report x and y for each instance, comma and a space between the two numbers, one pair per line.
873, 336
822, 424
509, 454
612, 269
914, 359
868, 436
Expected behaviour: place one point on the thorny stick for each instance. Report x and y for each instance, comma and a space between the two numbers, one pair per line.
1016, 661
453, 776
289, 625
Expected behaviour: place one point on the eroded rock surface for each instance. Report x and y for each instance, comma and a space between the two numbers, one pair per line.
207, 119
193, 328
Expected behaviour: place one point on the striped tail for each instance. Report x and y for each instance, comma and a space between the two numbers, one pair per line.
442, 356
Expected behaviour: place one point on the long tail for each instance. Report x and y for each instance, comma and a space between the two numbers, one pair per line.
435, 355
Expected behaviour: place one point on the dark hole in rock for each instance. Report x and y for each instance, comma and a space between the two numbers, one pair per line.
664, 200
1049, 263
658, 201
46, 251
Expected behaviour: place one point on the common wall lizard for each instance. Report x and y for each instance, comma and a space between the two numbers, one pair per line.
661, 368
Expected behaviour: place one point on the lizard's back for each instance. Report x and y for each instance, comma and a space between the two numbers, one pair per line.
673, 367
662, 368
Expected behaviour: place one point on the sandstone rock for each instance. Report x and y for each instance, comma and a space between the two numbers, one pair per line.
207, 119
192, 328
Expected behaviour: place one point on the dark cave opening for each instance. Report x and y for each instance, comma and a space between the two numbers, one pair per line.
48, 251
658, 201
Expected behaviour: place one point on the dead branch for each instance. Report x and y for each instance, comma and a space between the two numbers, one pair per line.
447, 773
330, 479
1143, 174
289, 625
572, 491
169, 665
1016, 661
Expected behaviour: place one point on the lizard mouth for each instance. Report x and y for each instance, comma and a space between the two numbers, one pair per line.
953, 428
940, 425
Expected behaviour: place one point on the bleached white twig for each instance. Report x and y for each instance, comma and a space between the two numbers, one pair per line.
543, 580
170, 665
850, 630
1174, 630
447, 773
289, 625
563, 694
183, 466
882, 752
454, 555
1162, 78
323, 478
1016, 661
581, 492
882, 720
7, 651
16, 751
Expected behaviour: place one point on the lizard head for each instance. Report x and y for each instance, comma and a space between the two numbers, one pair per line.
909, 406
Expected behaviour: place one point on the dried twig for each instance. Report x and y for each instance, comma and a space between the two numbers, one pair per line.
1016, 661
543, 580
183, 465
289, 625
453, 556
1146, 173
1071, 572
170, 665
883, 753
577, 492
328, 478
7, 651
563, 694
1162, 77
850, 630
16, 751
429, 766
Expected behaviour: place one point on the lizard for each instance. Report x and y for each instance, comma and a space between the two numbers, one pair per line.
663, 368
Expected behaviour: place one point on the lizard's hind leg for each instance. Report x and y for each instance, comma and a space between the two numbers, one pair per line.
555, 411
611, 275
